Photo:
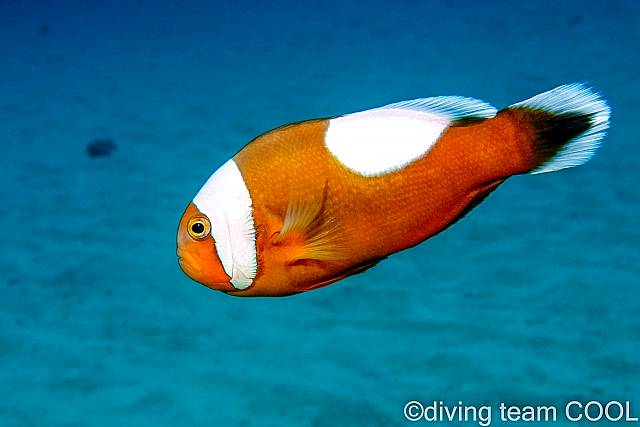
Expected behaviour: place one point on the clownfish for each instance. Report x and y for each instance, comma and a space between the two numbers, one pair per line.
313, 202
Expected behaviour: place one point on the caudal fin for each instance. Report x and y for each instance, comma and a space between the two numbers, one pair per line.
569, 123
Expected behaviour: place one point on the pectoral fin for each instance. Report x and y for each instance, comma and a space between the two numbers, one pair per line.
309, 231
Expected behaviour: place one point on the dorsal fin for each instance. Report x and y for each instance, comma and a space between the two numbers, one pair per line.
454, 108
309, 231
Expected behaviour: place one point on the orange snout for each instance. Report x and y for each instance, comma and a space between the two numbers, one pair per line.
197, 253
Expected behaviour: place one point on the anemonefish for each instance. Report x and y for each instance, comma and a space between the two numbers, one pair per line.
310, 203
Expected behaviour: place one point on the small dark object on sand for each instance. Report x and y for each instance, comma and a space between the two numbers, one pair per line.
101, 147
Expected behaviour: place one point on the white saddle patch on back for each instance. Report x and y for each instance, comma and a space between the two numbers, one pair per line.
225, 200
386, 139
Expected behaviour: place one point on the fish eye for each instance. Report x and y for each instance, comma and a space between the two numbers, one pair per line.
199, 227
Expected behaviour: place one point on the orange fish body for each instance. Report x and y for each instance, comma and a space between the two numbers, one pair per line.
310, 203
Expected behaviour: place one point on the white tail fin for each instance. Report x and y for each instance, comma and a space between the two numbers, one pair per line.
571, 121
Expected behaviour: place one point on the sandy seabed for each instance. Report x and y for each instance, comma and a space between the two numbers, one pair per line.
530, 300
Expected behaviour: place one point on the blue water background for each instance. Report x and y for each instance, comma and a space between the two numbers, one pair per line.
530, 300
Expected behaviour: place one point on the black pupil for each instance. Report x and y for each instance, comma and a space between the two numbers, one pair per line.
198, 228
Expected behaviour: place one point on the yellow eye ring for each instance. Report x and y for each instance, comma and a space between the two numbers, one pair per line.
199, 227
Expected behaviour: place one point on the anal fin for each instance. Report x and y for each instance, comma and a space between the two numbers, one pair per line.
480, 195
357, 269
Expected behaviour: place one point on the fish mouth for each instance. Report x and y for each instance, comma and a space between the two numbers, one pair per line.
189, 263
